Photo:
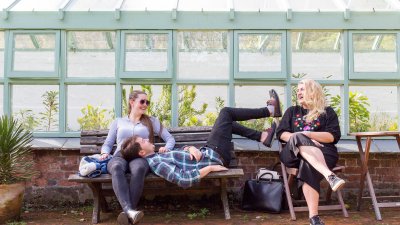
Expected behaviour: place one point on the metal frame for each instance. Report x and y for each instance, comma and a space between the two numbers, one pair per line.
25, 74
373, 75
280, 75
145, 74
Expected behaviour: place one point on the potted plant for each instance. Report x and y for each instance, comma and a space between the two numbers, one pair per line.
16, 166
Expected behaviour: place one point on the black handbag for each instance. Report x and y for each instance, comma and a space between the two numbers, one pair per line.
263, 194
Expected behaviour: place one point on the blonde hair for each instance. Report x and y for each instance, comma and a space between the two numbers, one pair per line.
314, 98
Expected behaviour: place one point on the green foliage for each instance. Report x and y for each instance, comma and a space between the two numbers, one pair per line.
27, 119
16, 223
382, 122
358, 112
188, 114
203, 213
16, 163
94, 118
50, 102
211, 117
47, 119
162, 108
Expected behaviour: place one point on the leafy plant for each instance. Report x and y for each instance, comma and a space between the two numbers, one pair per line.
27, 119
94, 118
188, 114
211, 117
358, 112
202, 213
16, 163
50, 102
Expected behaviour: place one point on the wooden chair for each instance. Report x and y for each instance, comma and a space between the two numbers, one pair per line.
289, 174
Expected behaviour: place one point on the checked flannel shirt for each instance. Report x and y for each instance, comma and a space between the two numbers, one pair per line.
176, 166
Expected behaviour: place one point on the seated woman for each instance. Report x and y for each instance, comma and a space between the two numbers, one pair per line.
185, 168
311, 130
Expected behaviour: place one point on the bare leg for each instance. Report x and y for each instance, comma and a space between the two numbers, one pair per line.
312, 199
314, 156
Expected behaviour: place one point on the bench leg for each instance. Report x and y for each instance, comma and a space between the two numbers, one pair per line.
96, 190
224, 198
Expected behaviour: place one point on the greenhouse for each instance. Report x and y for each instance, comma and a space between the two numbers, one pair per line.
63, 61
68, 66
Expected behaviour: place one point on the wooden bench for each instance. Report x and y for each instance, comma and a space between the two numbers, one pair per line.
91, 142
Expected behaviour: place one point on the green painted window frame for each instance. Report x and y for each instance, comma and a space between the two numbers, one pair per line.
29, 74
373, 75
145, 74
266, 75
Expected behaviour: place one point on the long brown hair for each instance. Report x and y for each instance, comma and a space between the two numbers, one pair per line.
144, 119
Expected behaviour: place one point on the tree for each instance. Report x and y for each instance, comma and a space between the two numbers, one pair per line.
94, 118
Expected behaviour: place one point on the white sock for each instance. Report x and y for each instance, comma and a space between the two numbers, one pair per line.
271, 109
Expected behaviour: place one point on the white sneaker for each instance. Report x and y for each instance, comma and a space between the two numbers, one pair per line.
135, 216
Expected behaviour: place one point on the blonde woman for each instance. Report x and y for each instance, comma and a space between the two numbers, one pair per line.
311, 130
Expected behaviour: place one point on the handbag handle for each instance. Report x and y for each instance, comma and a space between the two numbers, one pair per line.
266, 173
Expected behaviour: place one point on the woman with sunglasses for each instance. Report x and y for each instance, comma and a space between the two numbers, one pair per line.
137, 123
311, 130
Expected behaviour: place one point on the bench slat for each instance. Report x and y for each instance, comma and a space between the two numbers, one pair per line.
106, 178
171, 130
179, 137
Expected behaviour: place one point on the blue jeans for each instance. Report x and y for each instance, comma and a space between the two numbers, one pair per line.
128, 195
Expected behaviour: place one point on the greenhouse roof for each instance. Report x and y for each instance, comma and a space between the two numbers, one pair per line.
199, 5
217, 14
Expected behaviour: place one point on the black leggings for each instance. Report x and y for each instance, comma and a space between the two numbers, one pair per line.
220, 137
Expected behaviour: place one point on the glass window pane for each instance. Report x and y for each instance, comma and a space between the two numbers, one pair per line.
333, 99
91, 54
199, 105
373, 108
206, 5
2, 44
34, 52
1, 99
151, 5
370, 5
313, 5
203, 55
258, 99
98, 5
160, 101
146, 52
317, 55
260, 52
374, 52
36, 106
34, 5
5, 3
259, 5
90, 107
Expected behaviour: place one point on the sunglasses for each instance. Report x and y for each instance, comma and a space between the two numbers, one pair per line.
142, 101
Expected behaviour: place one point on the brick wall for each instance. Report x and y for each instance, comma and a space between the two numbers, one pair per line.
52, 186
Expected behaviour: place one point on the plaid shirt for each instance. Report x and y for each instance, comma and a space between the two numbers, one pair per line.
176, 166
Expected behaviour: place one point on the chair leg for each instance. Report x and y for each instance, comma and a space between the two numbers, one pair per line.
340, 199
287, 192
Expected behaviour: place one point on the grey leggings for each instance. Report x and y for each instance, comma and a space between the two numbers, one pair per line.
128, 195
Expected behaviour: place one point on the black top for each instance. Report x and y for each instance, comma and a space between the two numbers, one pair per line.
294, 121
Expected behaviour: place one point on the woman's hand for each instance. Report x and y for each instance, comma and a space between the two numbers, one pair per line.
163, 150
104, 156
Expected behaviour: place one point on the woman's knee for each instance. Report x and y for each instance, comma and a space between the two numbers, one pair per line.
117, 165
138, 166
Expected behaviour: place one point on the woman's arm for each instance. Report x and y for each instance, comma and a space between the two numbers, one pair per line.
165, 135
320, 136
106, 148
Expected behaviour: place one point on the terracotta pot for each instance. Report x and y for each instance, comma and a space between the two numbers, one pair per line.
11, 196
